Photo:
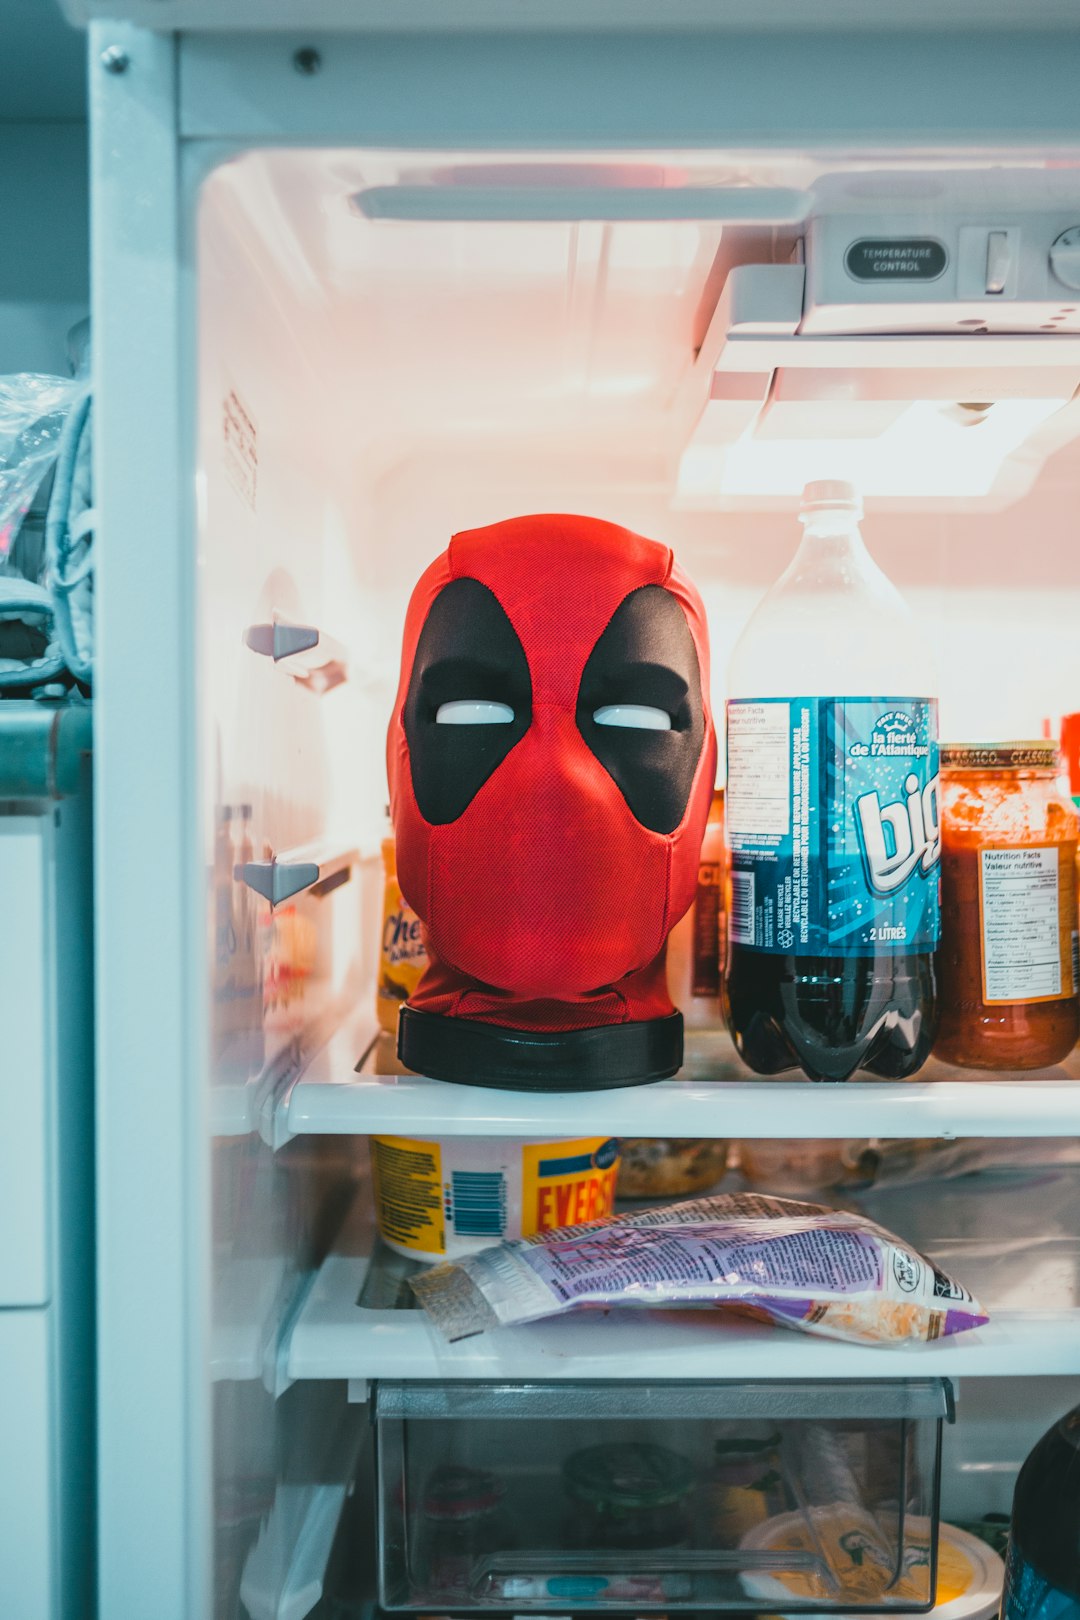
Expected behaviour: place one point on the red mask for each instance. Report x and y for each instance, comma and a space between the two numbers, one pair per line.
549, 855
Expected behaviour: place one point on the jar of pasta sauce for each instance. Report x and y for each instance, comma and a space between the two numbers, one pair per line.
1007, 966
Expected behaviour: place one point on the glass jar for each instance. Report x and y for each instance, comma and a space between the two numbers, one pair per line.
669, 1166
1007, 964
800, 1165
631, 1495
464, 1522
746, 1486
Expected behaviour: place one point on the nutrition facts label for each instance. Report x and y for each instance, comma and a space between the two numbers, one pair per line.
1021, 925
758, 798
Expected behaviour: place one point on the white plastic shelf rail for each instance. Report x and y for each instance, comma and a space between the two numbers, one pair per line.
354, 1086
335, 1338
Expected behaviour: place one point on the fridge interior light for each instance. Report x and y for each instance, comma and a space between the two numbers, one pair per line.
932, 450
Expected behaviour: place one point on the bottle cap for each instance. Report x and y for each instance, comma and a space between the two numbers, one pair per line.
831, 495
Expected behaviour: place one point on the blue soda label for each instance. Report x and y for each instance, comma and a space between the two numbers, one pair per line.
1027, 1596
833, 825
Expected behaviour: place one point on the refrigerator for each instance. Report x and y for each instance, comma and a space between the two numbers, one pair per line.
365, 278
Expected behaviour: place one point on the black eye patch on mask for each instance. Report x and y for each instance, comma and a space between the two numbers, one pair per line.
468, 651
646, 656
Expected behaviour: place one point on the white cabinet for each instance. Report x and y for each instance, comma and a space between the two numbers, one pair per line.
27, 1552
47, 1354
24, 1011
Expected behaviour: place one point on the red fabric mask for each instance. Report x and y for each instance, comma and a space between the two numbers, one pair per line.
549, 856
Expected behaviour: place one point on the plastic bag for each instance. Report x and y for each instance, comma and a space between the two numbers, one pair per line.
800, 1266
30, 654
69, 536
804, 1165
45, 612
33, 408
907, 1163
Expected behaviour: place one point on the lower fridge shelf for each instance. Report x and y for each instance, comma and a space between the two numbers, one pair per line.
683, 1497
358, 1323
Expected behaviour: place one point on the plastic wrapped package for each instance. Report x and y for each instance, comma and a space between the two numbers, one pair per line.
34, 410
69, 537
862, 1567
795, 1265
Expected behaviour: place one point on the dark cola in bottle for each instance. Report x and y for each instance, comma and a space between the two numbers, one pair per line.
1042, 1570
833, 829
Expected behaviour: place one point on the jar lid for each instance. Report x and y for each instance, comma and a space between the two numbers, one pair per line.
1039, 755
461, 1493
747, 1445
627, 1476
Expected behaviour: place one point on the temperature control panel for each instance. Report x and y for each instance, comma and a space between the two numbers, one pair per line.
1065, 258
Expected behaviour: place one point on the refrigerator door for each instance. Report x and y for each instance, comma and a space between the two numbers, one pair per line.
364, 16
232, 497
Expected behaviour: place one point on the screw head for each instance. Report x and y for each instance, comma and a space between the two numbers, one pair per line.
307, 60
114, 59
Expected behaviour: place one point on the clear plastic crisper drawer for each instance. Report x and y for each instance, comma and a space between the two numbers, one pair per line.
810, 1497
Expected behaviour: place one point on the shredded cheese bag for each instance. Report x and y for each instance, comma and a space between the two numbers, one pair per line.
850, 1559
797, 1265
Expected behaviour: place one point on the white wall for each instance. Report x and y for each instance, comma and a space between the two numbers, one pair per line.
999, 594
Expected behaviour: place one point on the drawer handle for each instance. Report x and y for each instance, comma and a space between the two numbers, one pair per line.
313, 659
316, 869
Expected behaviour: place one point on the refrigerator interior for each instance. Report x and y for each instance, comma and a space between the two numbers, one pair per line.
370, 380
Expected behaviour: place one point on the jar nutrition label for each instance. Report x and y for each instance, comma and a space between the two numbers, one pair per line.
1027, 941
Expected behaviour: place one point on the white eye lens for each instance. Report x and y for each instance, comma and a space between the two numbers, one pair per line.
638, 716
467, 713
